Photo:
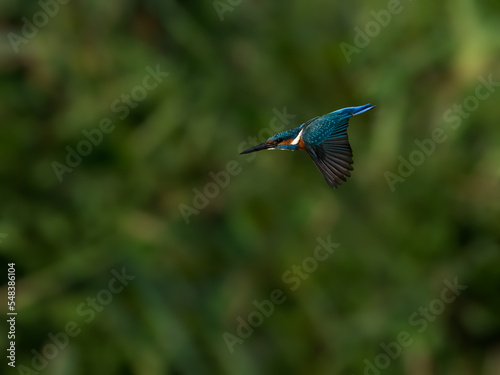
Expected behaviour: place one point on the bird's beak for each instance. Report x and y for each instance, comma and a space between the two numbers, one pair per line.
263, 146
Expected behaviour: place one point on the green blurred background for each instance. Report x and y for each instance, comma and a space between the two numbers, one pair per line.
229, 72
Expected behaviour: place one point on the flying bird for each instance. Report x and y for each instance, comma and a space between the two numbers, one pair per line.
325, 140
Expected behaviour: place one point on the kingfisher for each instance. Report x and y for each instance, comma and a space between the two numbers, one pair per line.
325, 139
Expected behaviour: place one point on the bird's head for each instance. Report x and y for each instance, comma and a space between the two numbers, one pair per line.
286, 140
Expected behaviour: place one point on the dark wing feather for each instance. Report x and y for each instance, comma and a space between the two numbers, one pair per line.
333, 158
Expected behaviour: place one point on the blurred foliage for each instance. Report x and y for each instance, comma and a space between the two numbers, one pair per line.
119, 208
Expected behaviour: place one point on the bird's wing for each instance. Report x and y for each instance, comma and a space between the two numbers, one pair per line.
333, 155
333, 158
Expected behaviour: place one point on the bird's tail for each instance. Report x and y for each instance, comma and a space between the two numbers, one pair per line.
353, 111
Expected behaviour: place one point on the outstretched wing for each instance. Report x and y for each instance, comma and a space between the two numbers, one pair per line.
333, 158
328, 146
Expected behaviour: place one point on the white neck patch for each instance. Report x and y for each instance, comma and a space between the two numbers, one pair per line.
297, 138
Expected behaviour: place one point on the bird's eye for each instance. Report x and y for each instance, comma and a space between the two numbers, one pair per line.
279, 140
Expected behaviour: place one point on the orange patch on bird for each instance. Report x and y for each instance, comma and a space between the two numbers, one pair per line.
287, 142
301, 145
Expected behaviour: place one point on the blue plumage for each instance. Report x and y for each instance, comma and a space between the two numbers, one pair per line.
325, 140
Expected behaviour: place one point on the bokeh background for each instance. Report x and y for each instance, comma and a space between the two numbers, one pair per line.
228, 75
